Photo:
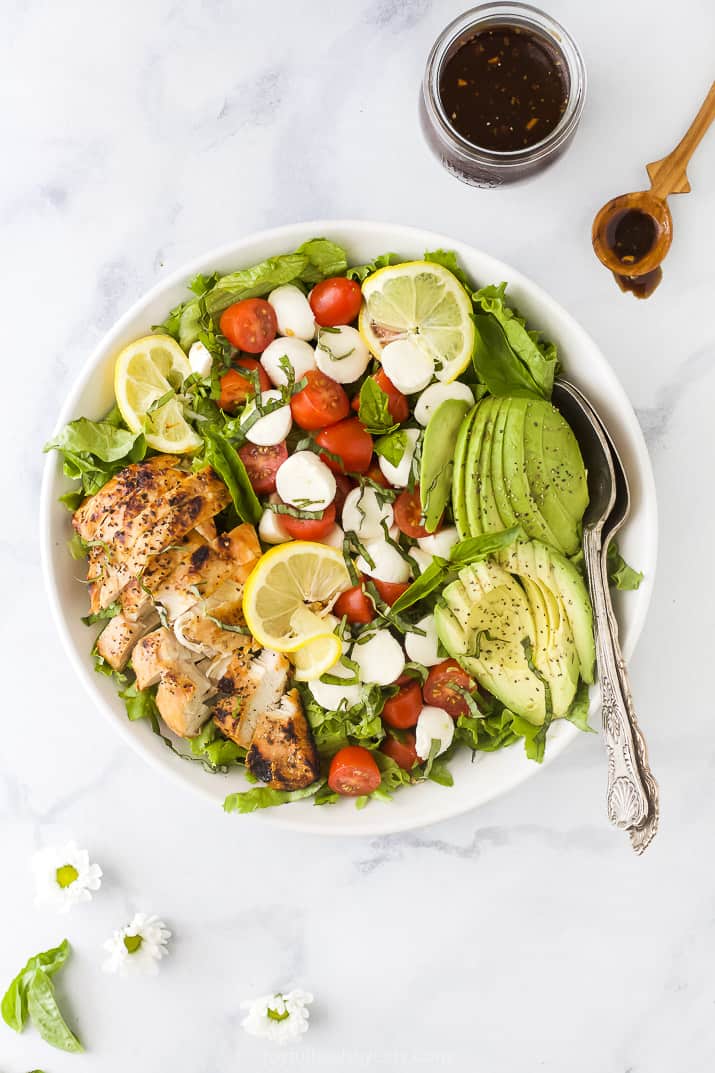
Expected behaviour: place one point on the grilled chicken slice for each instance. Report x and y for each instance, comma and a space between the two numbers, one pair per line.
159, 659
117, 639
125, 496
199, 574
282, 752
248, 687
216, 626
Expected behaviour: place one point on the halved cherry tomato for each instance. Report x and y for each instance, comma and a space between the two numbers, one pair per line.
439, 688
235, 388
376, 475
402, 710
262, 464
355, 604
335, 301
350, 440
390, 590
408, 514
353, 772
310, 528
403, 753
343, 485
322, 402
397, 404
250, 324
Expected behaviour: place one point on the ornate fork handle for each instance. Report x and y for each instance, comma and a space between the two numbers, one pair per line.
629, 806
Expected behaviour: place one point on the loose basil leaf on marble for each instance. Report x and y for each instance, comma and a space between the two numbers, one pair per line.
222, 456
264, 797
14, 1001
46, 1016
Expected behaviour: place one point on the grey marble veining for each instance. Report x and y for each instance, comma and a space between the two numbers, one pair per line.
521, 937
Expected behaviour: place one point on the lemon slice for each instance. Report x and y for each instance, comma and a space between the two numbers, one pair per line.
424, 302
144, 372
290, 593
316, 657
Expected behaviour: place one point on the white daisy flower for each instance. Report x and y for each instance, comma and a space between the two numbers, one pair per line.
64, 876
279, 1018
137, 949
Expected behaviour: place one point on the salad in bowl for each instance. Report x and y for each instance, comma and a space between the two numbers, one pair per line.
332, 527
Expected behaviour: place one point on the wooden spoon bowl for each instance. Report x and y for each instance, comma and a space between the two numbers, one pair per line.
643, 201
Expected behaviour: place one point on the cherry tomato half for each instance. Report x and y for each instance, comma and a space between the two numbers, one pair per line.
350, 441
397, 404
402, 710
262, 464
335, 301
376, 475
235, 388
353, 772
343, 485
402, 752
408, 514
439, 688
250, 324
390, 590
321, 402
355, 604
310, 528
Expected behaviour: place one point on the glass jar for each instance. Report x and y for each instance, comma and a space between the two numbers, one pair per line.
487, 167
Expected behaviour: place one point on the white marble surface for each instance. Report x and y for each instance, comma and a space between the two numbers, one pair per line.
525, 936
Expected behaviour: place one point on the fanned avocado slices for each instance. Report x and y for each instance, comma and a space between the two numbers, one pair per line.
490, 517
506, 511
459, 502
438, 460
555, 473
471, 472
516, 482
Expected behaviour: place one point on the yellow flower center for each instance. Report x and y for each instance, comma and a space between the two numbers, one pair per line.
132, 943
66, 875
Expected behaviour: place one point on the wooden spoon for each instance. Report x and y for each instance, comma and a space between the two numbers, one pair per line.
667, 176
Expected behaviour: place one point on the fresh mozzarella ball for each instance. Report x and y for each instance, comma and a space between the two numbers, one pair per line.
363, 514
304, 481
271, 529
422, 558
341, 353
435, 394
408, 366
389, 564
200, 359
293, 312
433, 724
399, 475
440, 543
423, 649
334, 538
300, 356
330, 697
380, 658
274, 427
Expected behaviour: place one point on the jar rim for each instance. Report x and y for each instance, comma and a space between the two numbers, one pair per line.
529, 17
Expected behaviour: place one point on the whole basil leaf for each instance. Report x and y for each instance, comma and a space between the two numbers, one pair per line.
537, 360
14, 1001
496, 364
473, 549
46, 1017
391, 447
429, 580
223, 458
374, 412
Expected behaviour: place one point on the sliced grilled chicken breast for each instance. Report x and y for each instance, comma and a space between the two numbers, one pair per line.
247, 688
282, 752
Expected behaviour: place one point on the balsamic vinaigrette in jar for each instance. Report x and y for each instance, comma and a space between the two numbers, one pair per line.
506, 88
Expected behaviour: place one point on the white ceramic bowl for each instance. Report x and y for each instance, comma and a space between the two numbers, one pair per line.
92, 396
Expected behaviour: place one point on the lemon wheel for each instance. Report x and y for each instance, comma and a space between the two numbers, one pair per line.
146, 371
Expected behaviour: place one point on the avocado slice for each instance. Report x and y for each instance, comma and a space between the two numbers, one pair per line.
471, 474
503, 503
525, 508
500, 622
490, 517
450, 633
459, 602
577, 606
437, 463
459, 503
555, 472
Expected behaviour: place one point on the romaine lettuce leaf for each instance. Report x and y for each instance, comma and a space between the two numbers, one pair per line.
93, 451
361, 272
264, 797
508, 358
448, 260
620, 574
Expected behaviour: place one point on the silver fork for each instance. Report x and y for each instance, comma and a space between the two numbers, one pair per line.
632, 792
